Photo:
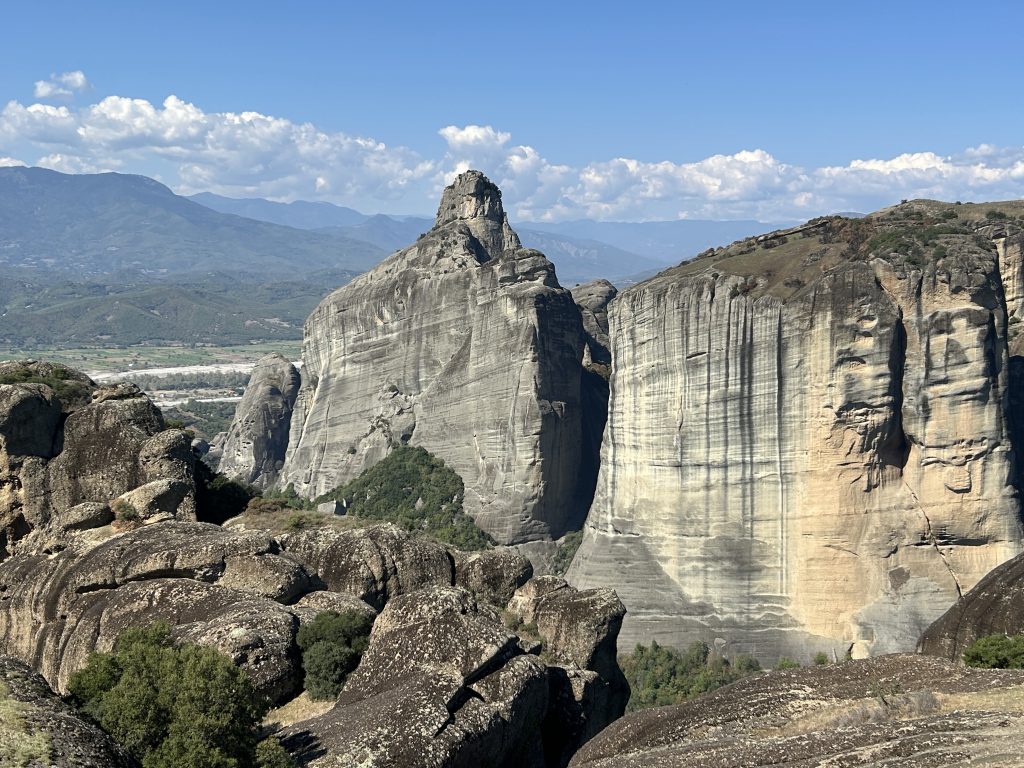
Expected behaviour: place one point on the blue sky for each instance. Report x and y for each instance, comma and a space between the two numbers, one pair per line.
608, 110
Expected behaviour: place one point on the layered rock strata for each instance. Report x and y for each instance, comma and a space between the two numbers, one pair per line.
808, 445
463, 343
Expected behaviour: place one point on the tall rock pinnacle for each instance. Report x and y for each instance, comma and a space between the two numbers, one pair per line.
463, 343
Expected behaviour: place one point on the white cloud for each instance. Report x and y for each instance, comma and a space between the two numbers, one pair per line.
253, 154
245, 153
63, 85
9, 162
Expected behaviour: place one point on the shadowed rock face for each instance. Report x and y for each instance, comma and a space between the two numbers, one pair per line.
994, 607
254, 449
907, 711
808, 445
593, 299
462, 343
72, 740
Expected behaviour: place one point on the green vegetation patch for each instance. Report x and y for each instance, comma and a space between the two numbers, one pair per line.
566, 552
171, 706
20, 745
996, 652
332, 645
70, 390
659, 675
417, 491
206, 419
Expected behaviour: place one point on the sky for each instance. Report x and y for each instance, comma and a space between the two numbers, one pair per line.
612, 111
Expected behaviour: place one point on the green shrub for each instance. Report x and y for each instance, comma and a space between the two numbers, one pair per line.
994, 215
566, 552
69, 390
659, 675
820, 659
125, 512
270, 754
301, 521
218, 497
171, 706
416, 490
332, 645
785, 662
996, 652
289, 497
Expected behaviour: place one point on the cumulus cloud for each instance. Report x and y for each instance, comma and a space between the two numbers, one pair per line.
746, 184
10, 162
61, 86
253, 154
245, 153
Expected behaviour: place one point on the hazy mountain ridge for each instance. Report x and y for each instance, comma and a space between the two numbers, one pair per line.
116, 226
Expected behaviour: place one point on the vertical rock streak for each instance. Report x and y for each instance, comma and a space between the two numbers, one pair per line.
811, 474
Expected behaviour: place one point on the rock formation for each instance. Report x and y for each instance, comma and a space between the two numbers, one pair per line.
33, 714
254, 448
908, 711
808, 445
593, 299
462, 343
994, 607
68, 449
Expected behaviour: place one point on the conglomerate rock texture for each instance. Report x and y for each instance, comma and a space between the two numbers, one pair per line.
463, 343
808, 444
898, 711
254, 448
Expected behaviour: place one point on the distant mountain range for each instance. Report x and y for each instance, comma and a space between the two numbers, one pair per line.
581, 250
116, 227
111, 259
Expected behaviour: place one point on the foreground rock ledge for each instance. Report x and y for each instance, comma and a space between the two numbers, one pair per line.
902, 710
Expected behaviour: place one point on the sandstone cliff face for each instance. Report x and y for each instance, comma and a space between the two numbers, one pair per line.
254, 448
808, 445
462, 343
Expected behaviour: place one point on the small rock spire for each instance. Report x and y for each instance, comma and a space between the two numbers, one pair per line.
471, 196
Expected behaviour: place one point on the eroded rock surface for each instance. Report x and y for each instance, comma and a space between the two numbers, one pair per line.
808, 446
593, 299
254, 448
216, 587
373, 564
902, 710
36, 712
994, 607
463, 343
443, 683
69, 443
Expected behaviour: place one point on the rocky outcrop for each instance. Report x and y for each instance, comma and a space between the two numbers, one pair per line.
579, 632
65, 443
373, 564
808, 446
994, 607
254, 448
216, 587
442, 683
36, 722
493, 575
892, 711
465, 344
593, 299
